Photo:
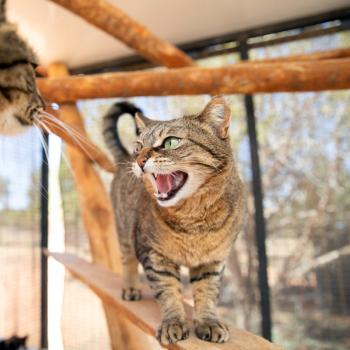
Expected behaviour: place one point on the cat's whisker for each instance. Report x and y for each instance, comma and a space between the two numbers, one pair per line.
65, 126
81, 140
42, 141
58, 121
122, 163
47, 129
76, 136
130, 172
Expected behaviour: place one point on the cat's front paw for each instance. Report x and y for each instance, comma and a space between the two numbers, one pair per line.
212, 330
131, 294
171, 331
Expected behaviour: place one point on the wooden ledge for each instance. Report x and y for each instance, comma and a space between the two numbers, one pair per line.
145, 314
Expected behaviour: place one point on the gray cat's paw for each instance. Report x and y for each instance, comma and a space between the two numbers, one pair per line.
131, 294
212, 330
171, 331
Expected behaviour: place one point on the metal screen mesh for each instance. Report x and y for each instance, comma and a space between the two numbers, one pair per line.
20, 163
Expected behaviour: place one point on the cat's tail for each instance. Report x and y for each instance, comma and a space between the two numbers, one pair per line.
110, 129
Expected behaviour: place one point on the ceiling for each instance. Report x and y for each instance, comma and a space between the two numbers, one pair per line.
58, 35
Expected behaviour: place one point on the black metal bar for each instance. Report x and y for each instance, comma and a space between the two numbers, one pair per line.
44, 223
260, 227
206, 47
306, 33
338, 14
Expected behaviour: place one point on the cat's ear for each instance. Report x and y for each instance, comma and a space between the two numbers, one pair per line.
218, 115
141, 122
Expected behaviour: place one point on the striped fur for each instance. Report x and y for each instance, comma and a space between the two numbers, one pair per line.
196, 230
20, 101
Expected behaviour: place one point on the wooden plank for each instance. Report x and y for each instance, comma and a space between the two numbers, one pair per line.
117, 23
98, 218
76, 139
244, 78
145, 314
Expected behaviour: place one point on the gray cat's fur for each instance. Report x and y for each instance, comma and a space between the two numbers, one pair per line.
20, 101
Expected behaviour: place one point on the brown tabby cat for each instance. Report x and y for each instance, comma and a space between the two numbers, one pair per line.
186, 211
20, 101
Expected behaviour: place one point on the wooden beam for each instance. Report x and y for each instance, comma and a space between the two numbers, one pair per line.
117, 23
98, 156
145, 314
243, 78
98, 218
75, 139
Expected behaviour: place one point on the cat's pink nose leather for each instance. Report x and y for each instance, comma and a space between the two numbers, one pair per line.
143, 156
141, 161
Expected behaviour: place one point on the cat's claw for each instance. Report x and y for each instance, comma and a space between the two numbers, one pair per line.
212, 330
171, 331
131, 294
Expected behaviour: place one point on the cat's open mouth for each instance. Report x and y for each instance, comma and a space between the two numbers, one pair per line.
169, 184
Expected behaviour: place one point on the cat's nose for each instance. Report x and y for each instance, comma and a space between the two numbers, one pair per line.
141, 161
143, 157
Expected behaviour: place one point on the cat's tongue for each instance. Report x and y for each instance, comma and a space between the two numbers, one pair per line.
164, 183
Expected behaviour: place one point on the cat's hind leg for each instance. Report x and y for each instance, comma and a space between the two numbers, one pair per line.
131, 279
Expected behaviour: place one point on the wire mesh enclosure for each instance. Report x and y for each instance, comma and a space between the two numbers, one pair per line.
20, 190
302, 139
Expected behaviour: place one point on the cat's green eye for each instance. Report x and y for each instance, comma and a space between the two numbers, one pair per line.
171, 142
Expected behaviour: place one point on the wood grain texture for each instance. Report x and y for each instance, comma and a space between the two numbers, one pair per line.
117, 23
145, 314
97, 215
244, 78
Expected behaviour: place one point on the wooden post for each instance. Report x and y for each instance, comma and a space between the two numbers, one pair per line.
242, 78
117, 23
98, 218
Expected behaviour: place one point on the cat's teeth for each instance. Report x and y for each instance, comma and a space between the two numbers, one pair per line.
162, 195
